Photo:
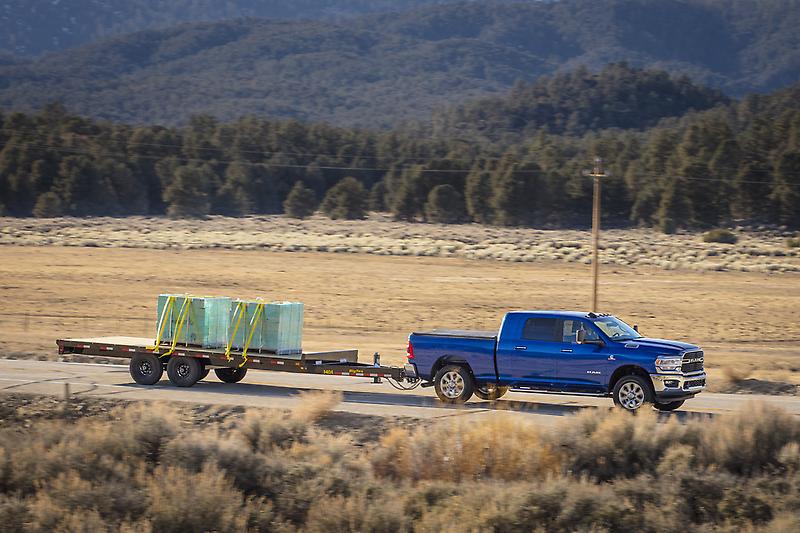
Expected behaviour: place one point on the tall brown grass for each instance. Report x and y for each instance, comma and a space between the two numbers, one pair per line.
146, 470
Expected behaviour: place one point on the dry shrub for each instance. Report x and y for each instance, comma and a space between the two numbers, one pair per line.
609, 444
499, 447
263, 432
369, 509
180, 501
316, 404
734, 375
749, 440
13, 514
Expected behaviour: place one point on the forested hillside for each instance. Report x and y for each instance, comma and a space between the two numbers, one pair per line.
574, 103
739, 160
30, 27
378, 70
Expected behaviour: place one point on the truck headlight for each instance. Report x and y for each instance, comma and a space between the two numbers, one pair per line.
669, 364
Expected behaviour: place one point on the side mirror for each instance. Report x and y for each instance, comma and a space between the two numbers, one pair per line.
580, 336
636, 328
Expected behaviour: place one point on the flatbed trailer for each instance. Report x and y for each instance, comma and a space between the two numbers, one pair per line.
187, 364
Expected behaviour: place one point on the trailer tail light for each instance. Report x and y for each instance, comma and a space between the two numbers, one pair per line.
410, 351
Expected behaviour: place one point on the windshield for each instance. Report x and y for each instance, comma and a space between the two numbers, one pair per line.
616, 329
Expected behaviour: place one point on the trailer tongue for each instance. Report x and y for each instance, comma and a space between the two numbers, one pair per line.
186, 365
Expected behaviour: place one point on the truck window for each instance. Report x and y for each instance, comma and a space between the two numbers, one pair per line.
571, 327
542, 329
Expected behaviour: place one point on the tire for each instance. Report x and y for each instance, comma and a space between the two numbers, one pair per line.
184, 371
204, 372
490, 391
631, 392
146, 368
668, 406
454, 384
230, 375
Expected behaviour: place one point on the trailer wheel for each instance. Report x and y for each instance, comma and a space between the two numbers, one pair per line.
490, 391
668, 406
184, 371
146, 368
204, 372
230, 375
631, 392
454, 384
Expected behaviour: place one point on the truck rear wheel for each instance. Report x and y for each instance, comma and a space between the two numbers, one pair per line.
204, 370
454, 384
668, 406
184, 371
490, 391
230, 375
146, 368
631, 392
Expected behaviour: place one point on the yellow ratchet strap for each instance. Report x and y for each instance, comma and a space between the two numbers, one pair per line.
253, 321
181, 319
162, 322
238, 313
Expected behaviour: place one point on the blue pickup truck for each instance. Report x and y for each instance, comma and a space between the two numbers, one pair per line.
559, 352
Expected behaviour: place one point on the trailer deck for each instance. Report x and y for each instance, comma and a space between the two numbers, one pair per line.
140, 350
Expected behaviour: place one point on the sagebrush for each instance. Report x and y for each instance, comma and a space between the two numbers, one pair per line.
144, 469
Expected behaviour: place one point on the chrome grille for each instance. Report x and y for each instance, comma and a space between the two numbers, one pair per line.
692, 362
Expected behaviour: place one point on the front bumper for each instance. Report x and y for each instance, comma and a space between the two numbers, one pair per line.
677, 386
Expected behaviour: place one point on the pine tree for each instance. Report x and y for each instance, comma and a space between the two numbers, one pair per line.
48, 205
674, 211
187, 194
478, 195
377, 197
514, 195
301, 201
445, 205
785, 194
347, 199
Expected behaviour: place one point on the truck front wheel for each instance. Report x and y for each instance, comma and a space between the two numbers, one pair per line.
453, 384
632, 392
490, 391
184, 371
668, 406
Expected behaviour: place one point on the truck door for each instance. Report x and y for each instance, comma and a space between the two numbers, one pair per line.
582, 367
527, 352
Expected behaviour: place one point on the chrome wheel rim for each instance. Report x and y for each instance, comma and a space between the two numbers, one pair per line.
145, 368
631, 395
452, 384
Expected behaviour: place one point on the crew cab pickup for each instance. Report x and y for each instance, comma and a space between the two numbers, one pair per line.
559, 352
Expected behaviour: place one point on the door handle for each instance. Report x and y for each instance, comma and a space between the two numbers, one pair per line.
520, 347
567, 350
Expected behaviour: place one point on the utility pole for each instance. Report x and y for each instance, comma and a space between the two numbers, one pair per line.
596, 173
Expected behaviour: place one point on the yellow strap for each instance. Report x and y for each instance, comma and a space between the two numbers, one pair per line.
256, 315
181, 318
241, 307
162, 322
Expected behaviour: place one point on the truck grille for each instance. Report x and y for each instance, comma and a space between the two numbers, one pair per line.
692, 362
693, 383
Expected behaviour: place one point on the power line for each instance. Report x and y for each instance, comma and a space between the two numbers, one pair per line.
122, 155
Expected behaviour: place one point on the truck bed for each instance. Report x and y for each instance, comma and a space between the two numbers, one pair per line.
465, 333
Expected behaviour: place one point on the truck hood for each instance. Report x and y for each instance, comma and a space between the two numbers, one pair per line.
662, 344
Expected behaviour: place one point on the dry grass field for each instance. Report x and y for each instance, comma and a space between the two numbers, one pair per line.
746, 321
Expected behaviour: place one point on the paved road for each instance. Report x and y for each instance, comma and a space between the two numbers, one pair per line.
280, 390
